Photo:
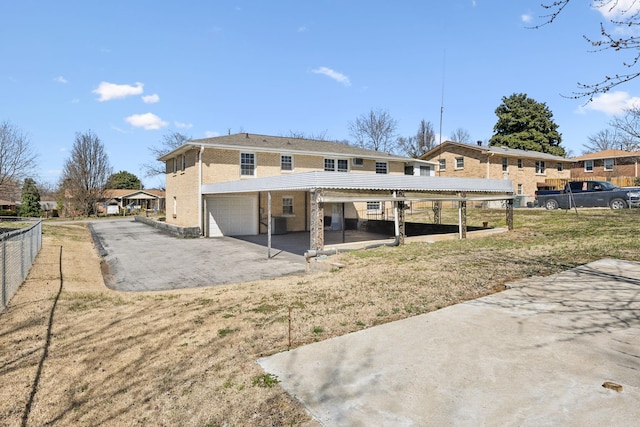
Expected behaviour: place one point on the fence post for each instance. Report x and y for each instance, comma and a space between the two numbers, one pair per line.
4, 273
22, 258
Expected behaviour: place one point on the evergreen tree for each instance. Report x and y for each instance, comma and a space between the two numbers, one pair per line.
124, 180
30, 201
526, 124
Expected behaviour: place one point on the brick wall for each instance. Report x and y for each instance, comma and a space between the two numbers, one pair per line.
223, 165
479, 165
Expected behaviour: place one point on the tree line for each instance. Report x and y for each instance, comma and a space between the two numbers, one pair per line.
522, 123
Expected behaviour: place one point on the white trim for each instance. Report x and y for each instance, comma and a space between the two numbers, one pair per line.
255, 164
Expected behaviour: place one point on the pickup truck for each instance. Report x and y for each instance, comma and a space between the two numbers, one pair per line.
588, 194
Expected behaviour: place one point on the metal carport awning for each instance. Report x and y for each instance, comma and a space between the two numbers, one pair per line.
370, 187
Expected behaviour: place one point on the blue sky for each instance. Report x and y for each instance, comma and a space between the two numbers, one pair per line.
131, 71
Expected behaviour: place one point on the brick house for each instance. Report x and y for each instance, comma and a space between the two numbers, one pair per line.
617, 166
528, 170
248, 184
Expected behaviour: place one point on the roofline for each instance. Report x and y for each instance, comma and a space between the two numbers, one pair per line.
382, 156
615, 156
487, 150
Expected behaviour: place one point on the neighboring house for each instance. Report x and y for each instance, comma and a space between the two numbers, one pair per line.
245, 184
618, 166
7, 205
133, 200
528, 170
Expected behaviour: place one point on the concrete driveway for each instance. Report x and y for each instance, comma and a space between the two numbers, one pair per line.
141, 258
537, 354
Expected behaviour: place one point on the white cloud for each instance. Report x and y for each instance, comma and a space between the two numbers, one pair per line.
612, 103
526, 18
60, 79
339, 77
109, 91
618, 9
211, 134
151, 99
181, 125
302, 29
148, 121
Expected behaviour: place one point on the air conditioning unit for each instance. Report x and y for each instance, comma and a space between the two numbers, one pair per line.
278, 225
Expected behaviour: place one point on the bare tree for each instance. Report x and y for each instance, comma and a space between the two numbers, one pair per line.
17, 159
375, 130
424, 140
628, 129
86, 173
460, 135
169, 142
623, 15
320, 136
606, 139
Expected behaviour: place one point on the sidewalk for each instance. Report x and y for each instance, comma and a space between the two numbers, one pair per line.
536, 354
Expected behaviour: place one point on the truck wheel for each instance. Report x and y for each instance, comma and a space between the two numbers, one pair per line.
551, 204
618, 204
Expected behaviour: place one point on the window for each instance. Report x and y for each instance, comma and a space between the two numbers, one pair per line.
459, 162
374, 207
329, 165
247, 164
541, 167
287, 205
359, 162
425, 170
442, 164
343, 165
286, 163
588, 166
519, 189
608, 164
560, 167
505, 164
175, 165
519, 163
183, 163
381, 167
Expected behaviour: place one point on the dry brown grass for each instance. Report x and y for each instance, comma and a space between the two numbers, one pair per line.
188, 357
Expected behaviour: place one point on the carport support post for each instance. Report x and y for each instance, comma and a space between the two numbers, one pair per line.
437, 209
317, 221
268, 224
509, 213
462, 215
401, 208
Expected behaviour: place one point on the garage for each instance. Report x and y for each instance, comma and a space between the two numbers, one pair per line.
232, 215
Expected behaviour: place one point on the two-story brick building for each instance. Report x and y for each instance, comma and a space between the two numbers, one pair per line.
528, 170
238, 184
609, 165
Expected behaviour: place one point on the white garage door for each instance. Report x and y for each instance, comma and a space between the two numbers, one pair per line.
232, 215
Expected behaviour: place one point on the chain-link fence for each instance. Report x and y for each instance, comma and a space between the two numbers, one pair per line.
18, 249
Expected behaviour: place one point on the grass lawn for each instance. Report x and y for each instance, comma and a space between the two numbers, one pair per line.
188, 357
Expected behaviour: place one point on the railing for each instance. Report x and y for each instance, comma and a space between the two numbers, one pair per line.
18, 249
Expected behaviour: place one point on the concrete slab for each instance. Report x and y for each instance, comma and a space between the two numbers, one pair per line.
536, 354
141, 258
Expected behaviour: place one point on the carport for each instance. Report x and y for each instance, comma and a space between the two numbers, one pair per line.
331, 187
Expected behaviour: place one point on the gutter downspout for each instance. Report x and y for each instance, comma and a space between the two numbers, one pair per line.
396, 241
200, 207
